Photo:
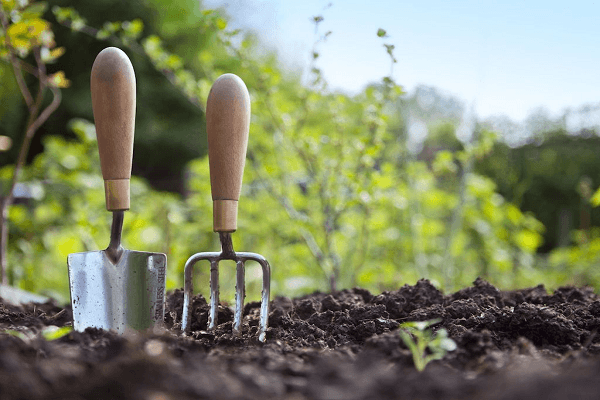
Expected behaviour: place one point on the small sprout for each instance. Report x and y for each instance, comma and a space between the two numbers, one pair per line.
14, 333
54, 332
418, 339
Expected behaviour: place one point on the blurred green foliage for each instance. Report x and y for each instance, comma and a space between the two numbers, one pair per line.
577, 263
331, 196
545, 179
162, 108
395, 230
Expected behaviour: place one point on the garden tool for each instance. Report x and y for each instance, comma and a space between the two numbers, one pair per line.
227, 126
116, 288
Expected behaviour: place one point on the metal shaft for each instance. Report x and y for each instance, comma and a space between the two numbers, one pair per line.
227, 252
226, 245
114, 249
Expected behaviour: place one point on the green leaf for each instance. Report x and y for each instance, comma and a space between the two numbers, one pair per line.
408, 341
111, 27
381, 32
14, 333
133, 28
398, 90
54, 332
34, 11
85, 130
595, 200
221, 23
441, 342
448, 344
8, 5
527, 240
174, 62
102, 34
77, 24
59, 80
420, 325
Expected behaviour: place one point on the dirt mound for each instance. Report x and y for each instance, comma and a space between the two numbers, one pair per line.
511, 345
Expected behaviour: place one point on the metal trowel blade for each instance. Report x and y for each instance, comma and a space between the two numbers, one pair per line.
126, 295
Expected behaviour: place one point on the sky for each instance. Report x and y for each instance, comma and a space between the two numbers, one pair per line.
505, 57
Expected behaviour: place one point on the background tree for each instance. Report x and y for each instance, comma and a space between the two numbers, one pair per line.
543, 178
348, 201
25, 36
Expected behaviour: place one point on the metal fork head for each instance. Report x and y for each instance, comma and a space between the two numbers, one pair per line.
240, 258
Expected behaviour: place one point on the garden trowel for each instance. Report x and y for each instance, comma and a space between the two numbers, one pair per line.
116, 288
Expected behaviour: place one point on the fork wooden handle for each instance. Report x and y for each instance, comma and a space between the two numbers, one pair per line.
227, 128
113, 101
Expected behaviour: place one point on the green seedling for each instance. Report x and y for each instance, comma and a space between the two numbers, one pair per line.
14, 333
49, 333
419, 339
54, 332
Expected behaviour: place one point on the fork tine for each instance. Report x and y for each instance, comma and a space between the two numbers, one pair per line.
188, 293
240, 259
266, 290
265, 297
240, 294
213, 316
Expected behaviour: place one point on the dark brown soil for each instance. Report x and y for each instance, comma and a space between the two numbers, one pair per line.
524, 344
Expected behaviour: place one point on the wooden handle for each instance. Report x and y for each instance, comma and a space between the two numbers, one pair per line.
227, 127
113, 101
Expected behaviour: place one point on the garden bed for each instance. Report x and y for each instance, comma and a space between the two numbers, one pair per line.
520, 344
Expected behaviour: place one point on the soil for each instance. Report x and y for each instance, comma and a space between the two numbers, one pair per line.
523, 344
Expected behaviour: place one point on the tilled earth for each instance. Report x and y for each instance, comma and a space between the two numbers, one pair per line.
524, 344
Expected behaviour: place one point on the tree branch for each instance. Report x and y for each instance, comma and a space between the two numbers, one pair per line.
294, 214
15, 63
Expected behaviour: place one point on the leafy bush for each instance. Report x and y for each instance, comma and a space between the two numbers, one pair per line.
331, 196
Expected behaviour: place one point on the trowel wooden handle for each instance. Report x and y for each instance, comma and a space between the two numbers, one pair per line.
227, 126
113, 101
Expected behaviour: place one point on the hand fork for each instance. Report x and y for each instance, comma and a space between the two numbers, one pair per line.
227, 127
